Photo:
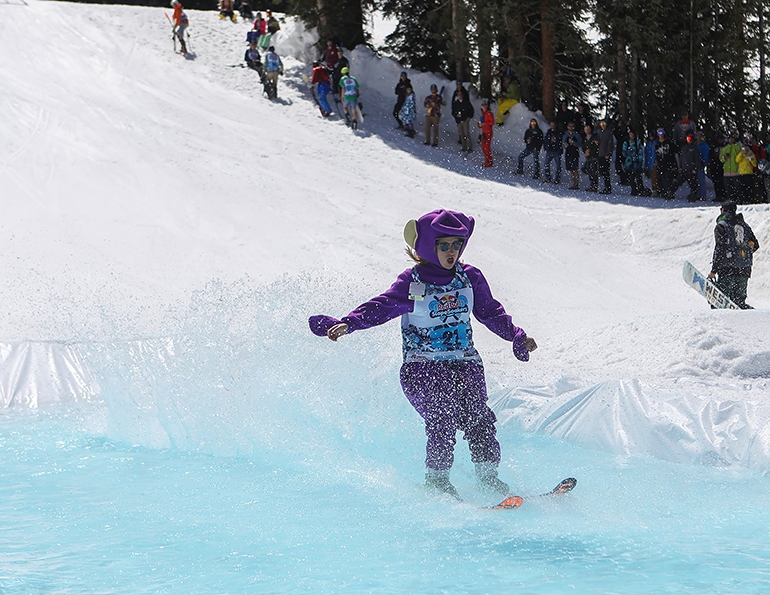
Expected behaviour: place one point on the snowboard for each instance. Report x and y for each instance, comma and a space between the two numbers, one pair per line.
514, 502
306, 78
706, 287
360, 113
264, 41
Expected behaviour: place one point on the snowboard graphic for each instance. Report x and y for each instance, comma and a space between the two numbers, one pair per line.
704, 286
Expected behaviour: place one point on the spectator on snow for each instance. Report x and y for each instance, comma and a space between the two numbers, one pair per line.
260, 25
573, 144
689, 163
459, 87
462, 111
253, 59
651, 162
620, 133
734, 247
487, 124
408, 113
330, 55
552, 146
432, 105
667, 165
682, 129
703, 151
245, 10
564, 116
272, 23
583, 119
533, 142
715, 170
401, 86
342, 62
591, 152
226, 10
606, 148
511, 95
633, 163
747, 163
727, 156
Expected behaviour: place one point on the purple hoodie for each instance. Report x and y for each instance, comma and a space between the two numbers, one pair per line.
395, 301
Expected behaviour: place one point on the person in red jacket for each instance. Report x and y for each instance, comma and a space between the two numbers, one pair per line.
486, 123
179, 22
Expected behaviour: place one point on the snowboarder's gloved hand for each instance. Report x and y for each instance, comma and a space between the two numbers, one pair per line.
320, 324
520, 346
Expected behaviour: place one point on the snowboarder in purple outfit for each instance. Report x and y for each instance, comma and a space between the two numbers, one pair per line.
442, 374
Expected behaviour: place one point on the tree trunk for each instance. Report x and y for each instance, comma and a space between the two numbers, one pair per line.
621, 69
548, 60
484, 40
458, 41
635, 103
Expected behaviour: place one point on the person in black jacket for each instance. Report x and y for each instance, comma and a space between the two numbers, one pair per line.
689, 162
735, 244
665, 153
552, 147
533, 142
462, 111
401, 87
342, 62
606, 148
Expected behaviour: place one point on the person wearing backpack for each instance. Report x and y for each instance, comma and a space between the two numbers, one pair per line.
349, 93
273, 68
735, 244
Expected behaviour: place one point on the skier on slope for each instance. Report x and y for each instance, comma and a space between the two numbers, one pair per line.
273, 68
320, 78
179, 22
442, 374
349, 92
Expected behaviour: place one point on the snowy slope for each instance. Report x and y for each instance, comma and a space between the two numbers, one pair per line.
135, 181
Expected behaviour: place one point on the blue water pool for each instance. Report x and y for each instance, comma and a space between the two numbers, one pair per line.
83, 512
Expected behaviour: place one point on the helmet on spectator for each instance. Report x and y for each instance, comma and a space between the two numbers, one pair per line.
345, 70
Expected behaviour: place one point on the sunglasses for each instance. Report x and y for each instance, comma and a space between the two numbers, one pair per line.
444, 246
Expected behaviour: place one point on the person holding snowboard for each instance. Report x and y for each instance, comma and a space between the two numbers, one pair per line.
735, 244
320, 78
349, 92
442, 374
179, 22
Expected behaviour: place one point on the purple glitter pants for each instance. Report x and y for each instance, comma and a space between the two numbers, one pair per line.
451, 396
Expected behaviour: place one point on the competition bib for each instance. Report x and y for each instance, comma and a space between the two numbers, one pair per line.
439, 327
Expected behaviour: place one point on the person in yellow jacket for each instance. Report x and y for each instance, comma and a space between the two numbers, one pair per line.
747, 162
727, 156
511, 96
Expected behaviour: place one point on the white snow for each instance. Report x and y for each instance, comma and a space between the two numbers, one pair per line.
133, 180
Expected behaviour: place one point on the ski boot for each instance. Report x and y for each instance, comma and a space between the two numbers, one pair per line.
486, 474
438, 482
